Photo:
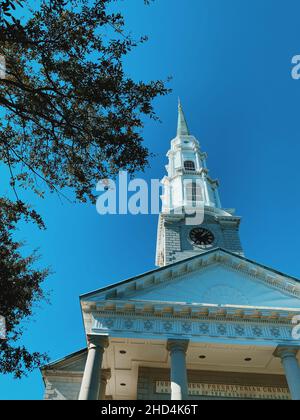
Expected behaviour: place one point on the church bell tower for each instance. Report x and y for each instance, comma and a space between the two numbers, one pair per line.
192, 220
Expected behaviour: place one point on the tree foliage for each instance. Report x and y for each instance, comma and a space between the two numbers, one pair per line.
70, 116
20, 286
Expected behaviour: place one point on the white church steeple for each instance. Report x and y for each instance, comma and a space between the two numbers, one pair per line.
188, 183
189, 188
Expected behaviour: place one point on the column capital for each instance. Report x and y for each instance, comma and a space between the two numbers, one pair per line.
105, 377
177, 345
105, 374
95, 340
283, 351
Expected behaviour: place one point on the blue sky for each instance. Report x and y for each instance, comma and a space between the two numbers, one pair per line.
231, 66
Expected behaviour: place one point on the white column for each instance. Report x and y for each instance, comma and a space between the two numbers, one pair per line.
288, 356
90, 386
198, 161
206, 193
179, 381
172, 165
219, 205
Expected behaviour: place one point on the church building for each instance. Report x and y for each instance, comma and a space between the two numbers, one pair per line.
208, 323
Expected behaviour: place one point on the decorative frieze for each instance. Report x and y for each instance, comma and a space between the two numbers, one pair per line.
192, 328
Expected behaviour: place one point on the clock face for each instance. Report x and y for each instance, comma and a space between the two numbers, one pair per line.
202, 237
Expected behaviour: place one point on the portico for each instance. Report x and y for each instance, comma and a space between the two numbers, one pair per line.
180, 368
142, 369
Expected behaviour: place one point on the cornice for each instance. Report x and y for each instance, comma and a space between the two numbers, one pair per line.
62, 374
195, 312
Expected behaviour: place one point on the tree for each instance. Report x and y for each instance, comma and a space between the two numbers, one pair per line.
20, 289
69, 117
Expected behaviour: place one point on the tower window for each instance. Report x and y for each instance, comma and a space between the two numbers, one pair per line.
193, 192
189, 165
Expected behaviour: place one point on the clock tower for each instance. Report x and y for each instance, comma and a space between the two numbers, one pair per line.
192, 219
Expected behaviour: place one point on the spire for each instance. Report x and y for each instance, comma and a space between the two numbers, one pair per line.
182, 128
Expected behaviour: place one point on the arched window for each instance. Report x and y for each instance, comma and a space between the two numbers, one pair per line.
189, 165
194, 192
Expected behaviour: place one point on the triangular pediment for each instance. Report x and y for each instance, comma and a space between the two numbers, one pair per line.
74, 363
218, 284
217, 277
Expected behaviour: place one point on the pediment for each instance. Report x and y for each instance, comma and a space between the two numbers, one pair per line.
72, 363
218, 285
217, 277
